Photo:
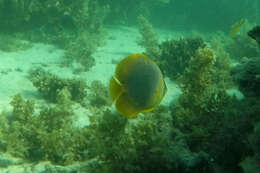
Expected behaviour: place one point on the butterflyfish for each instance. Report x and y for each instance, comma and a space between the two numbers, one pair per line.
137, 86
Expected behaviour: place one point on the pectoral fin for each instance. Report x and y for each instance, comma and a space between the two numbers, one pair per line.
115, 88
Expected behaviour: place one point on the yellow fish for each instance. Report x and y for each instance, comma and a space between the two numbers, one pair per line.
138, 85
237, 26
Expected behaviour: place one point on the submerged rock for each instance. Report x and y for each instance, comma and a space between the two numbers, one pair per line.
255, 34
247, 76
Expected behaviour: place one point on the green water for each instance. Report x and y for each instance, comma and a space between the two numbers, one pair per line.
57, 58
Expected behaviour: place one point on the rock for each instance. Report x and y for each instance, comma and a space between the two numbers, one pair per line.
247, 76
255, 34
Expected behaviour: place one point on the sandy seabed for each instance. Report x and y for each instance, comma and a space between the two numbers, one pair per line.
119, 42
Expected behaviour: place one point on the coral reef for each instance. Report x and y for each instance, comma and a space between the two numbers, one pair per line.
202, 133
176, 54
206, 131
111, 143
50, 85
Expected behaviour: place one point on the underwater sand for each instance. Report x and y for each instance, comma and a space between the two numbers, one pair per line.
119, 42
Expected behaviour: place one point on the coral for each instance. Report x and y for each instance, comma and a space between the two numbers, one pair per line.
196, 81
196, 85
251, 164
255, 138
22, 125
49, 85
149, 39
49, 135
66, 15
81, 50
59, 140
176, 54
76, 26
190, 138
99, 95
213, 121
83, 44
222, 66
146, 144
